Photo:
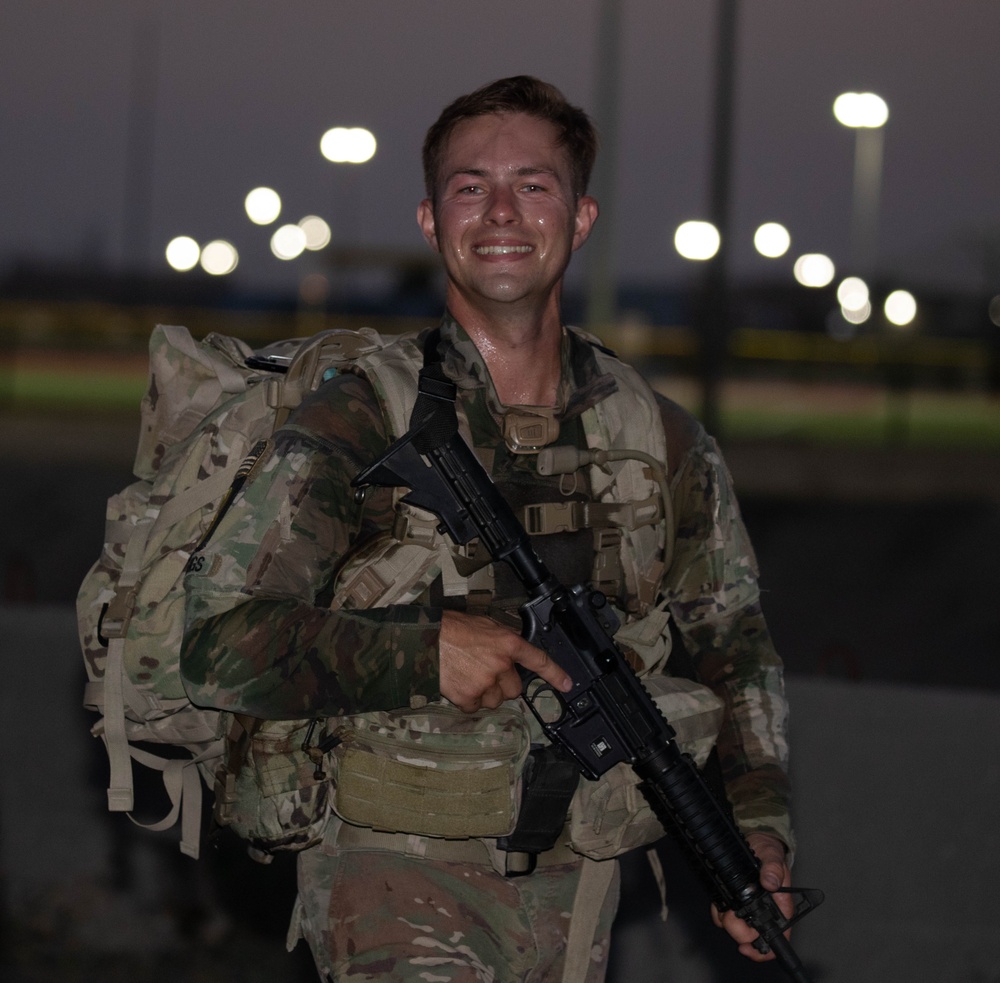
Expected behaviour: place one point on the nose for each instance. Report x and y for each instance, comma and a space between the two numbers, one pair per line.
502, 207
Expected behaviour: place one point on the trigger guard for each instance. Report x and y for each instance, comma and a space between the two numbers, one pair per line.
537, 689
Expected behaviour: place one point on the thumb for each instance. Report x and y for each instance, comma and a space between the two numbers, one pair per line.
771, 875
771, 853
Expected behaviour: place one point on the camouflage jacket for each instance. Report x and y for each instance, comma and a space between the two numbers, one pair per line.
261, 637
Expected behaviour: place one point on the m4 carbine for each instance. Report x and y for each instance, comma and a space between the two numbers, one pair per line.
607, 717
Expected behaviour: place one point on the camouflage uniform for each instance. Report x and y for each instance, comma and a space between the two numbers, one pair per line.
262, 639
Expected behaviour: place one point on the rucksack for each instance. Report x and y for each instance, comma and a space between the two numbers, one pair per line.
207, 405
208, 410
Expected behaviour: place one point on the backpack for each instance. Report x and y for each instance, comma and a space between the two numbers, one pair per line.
207, 406
208, 410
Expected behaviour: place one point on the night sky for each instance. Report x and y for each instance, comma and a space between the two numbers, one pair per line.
236, 93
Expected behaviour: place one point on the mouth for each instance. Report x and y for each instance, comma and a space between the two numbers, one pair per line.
500, 250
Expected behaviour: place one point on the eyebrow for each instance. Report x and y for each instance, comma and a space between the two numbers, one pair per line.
527, 171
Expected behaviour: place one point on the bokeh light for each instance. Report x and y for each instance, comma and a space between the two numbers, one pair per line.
856, 315
348, 145
316, 230
900, 308
697, 240
219, 257
183, 253
288, 242
263, 205
861, 109
853, 294
772, 240
314, 288
814, 270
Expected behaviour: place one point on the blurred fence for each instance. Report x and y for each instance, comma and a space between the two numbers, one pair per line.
881, 356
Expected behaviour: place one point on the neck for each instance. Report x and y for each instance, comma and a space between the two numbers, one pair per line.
523, 354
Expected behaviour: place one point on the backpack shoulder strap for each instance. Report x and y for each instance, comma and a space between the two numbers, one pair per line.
393, 372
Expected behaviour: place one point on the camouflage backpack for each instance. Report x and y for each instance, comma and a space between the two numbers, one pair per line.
207, 406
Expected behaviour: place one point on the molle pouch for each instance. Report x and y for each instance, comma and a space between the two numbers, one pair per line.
278, 798
610, 816
435, 771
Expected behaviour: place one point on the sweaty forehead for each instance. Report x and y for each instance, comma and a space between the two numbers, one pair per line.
514, 144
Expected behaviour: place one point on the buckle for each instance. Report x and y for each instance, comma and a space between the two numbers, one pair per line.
528, 433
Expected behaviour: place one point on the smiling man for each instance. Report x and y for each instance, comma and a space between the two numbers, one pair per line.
313, 603
506, 214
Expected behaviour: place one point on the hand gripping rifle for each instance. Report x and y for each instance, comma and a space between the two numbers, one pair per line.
608, 716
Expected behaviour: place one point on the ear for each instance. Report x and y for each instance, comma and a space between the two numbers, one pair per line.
586, 215
425, 219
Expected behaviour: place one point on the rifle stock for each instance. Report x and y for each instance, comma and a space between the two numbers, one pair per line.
607, 717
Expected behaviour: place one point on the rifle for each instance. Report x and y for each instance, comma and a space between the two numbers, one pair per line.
607, 717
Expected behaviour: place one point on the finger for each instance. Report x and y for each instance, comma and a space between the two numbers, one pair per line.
509, 685
492, 697
539, 663
739, 930
772, 875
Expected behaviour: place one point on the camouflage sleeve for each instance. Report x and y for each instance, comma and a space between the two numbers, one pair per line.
715, 602
260, 637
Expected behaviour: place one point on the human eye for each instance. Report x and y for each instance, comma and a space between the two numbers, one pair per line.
464, 186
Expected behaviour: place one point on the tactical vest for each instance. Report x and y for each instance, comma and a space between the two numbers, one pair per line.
630, 512
467, 778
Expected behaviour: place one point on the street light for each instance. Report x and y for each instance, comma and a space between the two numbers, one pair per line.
347, 145
698, 241
183, 253
263, 205
814, 270
772, 240
866, 114
900, 308
219, 257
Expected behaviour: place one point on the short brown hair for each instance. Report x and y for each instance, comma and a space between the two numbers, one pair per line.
518, 94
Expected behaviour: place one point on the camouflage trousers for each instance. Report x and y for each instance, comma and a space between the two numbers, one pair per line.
380, 915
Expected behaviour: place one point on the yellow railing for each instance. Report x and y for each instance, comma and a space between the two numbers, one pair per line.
108, 327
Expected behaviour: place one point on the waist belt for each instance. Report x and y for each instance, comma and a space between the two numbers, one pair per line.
347, 837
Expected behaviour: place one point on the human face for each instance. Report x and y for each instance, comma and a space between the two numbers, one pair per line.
505, 218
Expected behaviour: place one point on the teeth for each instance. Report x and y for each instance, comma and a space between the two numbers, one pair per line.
501, 250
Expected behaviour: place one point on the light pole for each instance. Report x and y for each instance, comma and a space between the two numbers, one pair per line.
602, 285
349, 145
866, 114
713, 314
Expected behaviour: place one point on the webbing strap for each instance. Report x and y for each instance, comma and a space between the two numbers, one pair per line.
656, 865
120, 795
346, 836
545, 518
591, 891
182, 781
114, 626
200, 494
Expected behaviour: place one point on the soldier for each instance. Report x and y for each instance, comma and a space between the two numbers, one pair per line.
401, 893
